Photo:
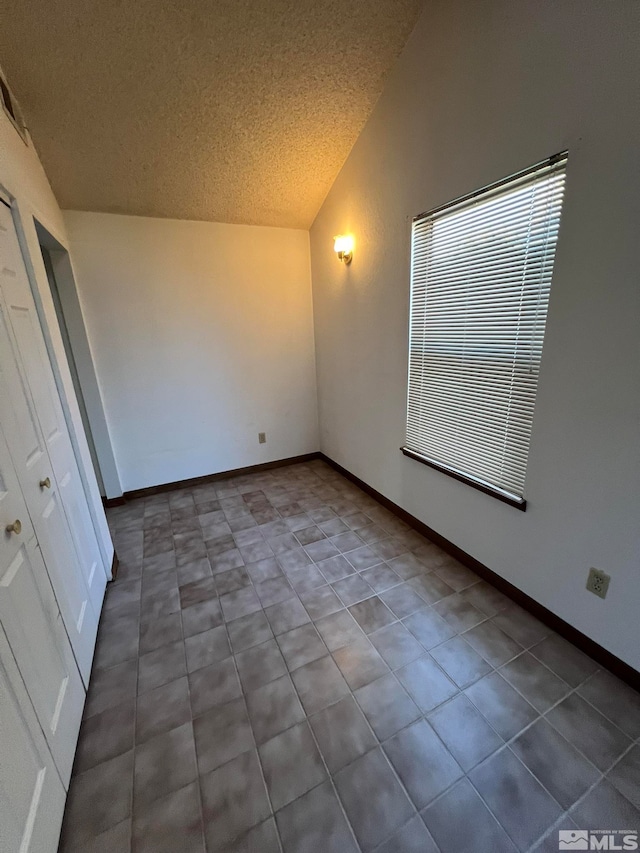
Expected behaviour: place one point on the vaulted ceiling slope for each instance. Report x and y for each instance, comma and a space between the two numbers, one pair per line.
222, 110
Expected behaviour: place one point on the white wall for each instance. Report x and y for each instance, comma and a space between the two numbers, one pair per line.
202, 336
483, 90
23, 179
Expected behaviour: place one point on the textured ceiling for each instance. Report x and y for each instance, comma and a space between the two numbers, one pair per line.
222, 110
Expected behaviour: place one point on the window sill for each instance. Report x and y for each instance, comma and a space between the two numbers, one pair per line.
518, 503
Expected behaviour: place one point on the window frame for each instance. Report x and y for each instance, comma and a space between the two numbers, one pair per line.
551, 164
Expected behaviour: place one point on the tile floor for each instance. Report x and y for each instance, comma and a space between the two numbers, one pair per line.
283, 665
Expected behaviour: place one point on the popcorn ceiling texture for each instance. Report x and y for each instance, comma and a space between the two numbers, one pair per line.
237, 111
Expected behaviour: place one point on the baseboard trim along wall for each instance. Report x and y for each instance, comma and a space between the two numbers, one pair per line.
618, 667
605, 658
207, 478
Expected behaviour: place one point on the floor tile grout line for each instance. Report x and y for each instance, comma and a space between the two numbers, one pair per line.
331, 780
135, 726
260, 763
602, 713
605, 773
555, 826
466, 773
494, 668
255, 745
508, 744
505, 744
495, 817
193, 734
539, 714
600, 778
380, 744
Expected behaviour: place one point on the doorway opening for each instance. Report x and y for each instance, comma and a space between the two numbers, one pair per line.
57, 264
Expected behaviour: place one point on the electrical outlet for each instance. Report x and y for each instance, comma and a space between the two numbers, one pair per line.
598, 582
262, 438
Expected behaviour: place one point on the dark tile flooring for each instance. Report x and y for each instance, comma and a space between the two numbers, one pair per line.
283, 665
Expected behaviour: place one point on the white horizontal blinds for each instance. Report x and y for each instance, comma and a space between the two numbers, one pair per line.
481, 272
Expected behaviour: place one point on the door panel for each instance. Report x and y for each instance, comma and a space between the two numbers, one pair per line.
33, 466
31, 621
28, 614
38, 379
31, 793
70, 574
22, 320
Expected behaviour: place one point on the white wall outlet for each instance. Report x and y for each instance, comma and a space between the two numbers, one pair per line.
262, 438
598, 582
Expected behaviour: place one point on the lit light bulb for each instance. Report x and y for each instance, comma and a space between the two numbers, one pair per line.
343, 247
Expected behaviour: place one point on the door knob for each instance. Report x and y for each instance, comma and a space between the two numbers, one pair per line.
45, 484
16, 527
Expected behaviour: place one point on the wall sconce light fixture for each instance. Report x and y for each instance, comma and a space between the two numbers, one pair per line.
343, 247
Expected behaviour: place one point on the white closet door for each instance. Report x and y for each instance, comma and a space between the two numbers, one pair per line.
36, 433
33, 466
41, 386
33, 626
31, 793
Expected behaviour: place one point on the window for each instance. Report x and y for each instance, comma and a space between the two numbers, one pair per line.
11, 108
480, 277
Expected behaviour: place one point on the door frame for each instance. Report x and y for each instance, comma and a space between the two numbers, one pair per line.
48, 255
89, 389
63, 381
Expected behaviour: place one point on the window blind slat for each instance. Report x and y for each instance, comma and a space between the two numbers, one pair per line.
480, 279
